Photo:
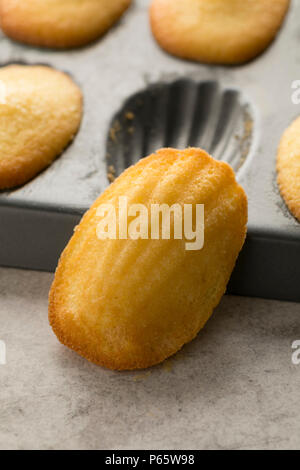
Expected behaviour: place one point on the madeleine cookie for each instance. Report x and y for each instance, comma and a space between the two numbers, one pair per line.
128, 302
288, 167
40, 112
59, 23
216, 31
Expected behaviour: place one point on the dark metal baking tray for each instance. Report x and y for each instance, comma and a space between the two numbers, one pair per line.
238, 113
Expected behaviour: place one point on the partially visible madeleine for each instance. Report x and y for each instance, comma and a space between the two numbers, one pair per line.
129, 304
288, 167
217, 31
59, 23
40, 112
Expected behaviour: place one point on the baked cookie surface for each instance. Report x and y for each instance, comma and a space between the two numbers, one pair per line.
288, 167
59, 23
131, 303
40, 112
216, 31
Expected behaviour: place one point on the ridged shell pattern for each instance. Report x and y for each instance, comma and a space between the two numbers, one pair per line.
181, 114
131, 303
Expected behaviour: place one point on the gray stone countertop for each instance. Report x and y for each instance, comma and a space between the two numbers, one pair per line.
234, 387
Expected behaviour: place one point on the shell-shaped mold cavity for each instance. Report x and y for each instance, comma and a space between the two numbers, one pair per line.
181, 114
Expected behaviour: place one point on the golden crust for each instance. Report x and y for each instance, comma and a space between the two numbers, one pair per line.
216, 31
288, 167
130, 304
40, 112
59, 23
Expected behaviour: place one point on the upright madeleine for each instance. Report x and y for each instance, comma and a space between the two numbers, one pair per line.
129, 304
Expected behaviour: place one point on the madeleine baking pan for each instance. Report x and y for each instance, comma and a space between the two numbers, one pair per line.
138, 99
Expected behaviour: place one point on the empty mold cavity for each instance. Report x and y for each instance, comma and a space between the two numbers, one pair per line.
180, 114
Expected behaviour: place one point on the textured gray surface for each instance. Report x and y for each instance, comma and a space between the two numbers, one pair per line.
232, 387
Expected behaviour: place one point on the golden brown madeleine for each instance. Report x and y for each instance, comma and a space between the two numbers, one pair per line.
59, 23
216, 31
288, 167
129, 304
40, 112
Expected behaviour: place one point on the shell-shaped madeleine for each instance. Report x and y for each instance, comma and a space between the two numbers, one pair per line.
40, 113
216, 31
59, 23
128, 304
288, 167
